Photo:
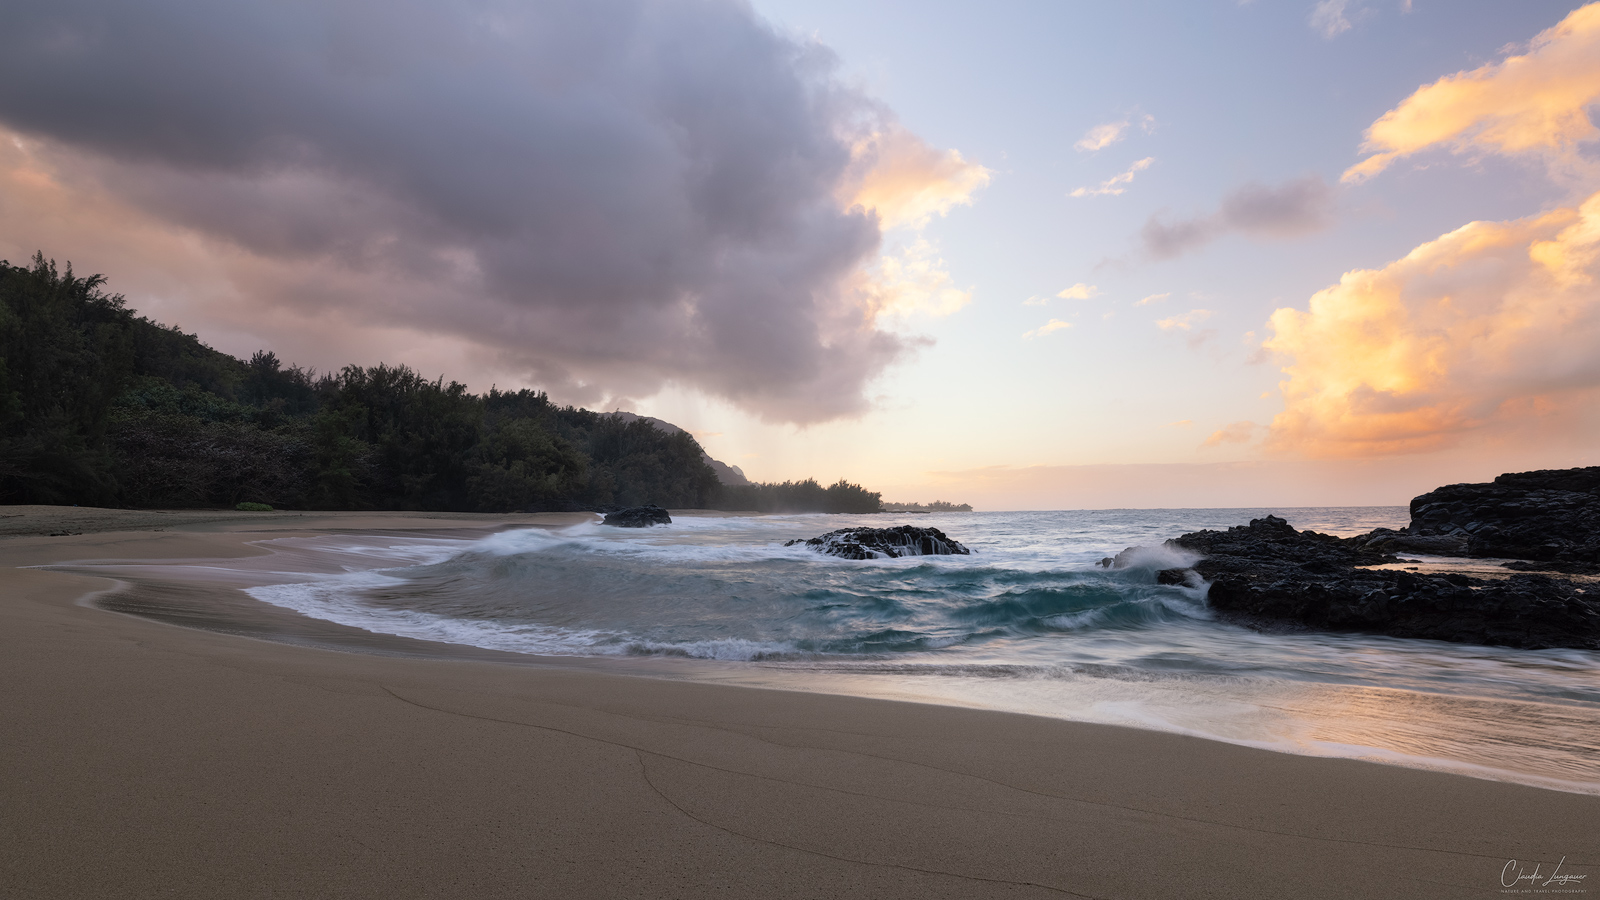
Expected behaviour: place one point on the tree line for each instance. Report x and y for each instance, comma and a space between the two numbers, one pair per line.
935, 506
99, 406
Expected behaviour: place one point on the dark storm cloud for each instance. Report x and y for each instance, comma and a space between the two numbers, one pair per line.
616, 194
1291, 209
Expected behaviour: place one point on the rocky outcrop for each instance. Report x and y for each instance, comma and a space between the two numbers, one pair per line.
1273, 540
1267, 574
638, 517
1551, 515
873, 543
1388, 540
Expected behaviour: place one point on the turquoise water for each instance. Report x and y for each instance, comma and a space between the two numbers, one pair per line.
1026, 623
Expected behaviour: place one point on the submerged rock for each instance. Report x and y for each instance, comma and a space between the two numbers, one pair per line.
638, 517
1267, 574
872, 543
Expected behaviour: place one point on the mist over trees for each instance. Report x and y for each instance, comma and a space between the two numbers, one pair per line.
101, 407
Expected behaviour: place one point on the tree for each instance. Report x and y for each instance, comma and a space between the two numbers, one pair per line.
68, 354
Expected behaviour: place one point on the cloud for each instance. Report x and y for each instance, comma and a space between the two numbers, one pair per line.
1538, 101
1186, 321
1079, 291
1291, 209
1114, 184
1046, 328
1488, 332
1233, 433
596, 198
915, 280
1153, 298
905, 181
1328, 17
1102, 136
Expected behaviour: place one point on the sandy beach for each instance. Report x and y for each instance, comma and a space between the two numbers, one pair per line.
143, 759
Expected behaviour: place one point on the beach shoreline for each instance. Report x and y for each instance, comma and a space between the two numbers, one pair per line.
198, 763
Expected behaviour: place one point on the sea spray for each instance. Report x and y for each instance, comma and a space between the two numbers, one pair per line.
1030, 622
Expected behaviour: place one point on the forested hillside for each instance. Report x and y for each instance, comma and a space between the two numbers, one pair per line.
101, 407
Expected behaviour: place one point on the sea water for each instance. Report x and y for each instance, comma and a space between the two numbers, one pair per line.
1027, 623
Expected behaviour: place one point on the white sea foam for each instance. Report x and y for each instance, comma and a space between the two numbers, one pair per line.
1076, 621
336, 600
1160, 556
1031, 625
730, 649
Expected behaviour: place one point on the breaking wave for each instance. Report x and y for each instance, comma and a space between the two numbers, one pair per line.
1030, 622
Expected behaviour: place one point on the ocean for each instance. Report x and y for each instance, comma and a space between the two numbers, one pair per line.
1027, 623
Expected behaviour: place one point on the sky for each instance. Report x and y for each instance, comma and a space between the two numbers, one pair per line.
1022, 255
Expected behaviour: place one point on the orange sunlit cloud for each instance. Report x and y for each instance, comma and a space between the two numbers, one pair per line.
906, 181
1492, 326
1533, 102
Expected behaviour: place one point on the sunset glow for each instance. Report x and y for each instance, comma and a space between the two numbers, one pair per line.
832, 253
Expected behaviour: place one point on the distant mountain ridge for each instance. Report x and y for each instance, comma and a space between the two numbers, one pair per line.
726, 474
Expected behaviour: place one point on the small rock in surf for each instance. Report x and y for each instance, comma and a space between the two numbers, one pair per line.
872, 543
638, 517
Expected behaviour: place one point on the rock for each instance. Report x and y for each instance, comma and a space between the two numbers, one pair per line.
1552, 515
1267, 574
1565, 568
1387, 540
1166, 556
1273, 539
872, 543
1185, 577
638, 517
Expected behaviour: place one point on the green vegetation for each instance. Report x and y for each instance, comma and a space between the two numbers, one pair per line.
935, 506
800, 496
247, 506
101, 407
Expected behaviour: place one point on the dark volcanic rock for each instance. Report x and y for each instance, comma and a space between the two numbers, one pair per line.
1387, 540
871, 543
1274, 540
638, 517
1565, 568
1268, 574
1551, 515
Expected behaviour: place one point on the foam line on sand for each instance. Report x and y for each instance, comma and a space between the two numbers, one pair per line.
142, 760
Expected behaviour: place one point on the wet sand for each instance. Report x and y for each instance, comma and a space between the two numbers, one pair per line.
146, 759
